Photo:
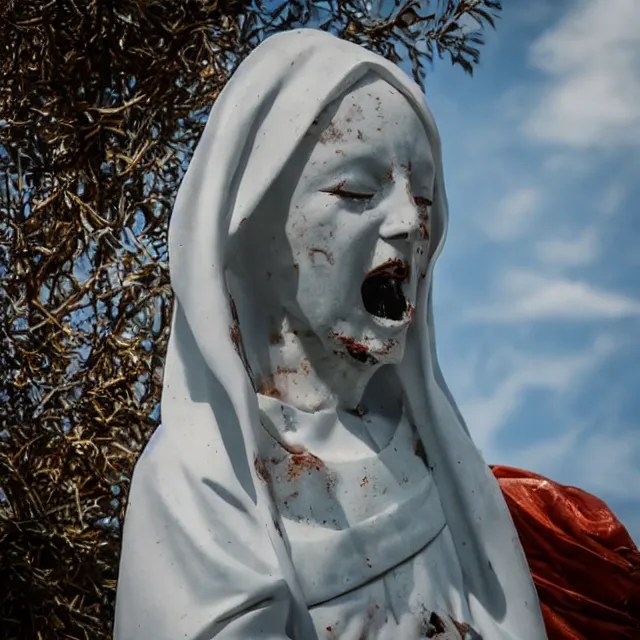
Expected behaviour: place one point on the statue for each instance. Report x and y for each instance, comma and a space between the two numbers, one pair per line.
312, 477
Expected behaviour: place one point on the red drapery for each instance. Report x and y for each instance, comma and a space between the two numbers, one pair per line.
585, 565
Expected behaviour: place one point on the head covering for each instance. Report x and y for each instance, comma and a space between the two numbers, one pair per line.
202, 552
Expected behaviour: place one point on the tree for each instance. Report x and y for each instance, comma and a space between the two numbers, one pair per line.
101, 105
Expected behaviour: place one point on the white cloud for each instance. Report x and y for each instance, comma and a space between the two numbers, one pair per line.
591, 60
574, 252
487, 414
530, 296
513, 215
612, 199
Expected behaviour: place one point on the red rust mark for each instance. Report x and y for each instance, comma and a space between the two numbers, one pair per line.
276, 338
262, 470
394, 268
386, 349
268, 388
303, 462
424, 228
327, 254
285, 371
356, 349
365, 482
332, 630
412, 311
331, 134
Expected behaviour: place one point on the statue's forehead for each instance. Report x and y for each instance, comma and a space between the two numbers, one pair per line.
370, 103
372, 121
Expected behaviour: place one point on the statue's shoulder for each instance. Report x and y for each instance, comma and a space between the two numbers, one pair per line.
584, 563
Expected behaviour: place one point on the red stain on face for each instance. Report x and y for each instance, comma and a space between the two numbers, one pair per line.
312, 251
284, 371
424, 228
394, 268
356, 349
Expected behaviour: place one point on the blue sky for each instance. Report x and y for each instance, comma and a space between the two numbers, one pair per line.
537, 296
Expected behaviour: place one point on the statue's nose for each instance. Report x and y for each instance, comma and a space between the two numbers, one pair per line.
402, 221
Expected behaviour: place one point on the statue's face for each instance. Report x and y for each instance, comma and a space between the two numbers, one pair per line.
358, 224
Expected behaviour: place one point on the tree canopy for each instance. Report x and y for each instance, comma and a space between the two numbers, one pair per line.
101, 105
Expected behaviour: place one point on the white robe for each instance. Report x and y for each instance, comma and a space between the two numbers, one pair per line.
205, 551
365, 528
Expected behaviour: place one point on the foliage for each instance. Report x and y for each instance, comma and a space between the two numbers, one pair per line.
101, 104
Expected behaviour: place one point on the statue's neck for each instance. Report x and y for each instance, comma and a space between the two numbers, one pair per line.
302, 373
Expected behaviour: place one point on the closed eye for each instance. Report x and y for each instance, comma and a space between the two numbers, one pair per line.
348, 195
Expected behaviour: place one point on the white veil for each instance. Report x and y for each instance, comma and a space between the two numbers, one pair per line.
202, 552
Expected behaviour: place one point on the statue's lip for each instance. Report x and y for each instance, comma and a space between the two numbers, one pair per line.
394, 268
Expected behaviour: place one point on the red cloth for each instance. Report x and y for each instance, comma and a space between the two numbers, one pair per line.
585, 565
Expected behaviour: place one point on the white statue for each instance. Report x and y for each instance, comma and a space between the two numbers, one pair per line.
312, 477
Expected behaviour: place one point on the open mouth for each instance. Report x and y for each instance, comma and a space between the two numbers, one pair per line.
382, 290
